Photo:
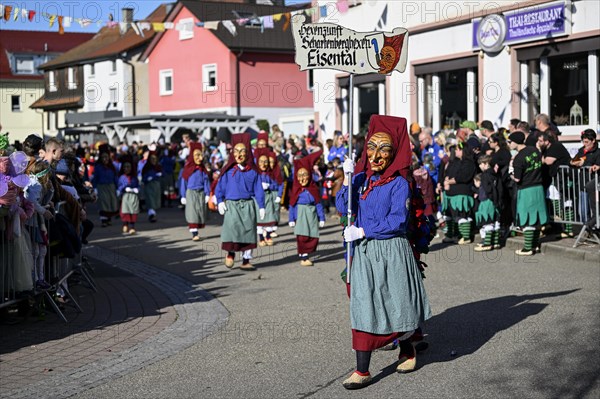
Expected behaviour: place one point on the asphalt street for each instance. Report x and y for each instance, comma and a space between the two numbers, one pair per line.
502, 326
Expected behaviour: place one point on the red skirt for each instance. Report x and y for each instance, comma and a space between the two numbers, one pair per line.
237, 246
364, 341
129, 217
306, 245
269, 224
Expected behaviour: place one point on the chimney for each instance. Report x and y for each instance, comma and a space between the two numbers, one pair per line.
127, 15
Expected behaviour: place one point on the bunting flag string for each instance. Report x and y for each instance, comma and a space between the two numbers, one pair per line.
266, 22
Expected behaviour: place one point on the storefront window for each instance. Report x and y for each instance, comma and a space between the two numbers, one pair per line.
569, 100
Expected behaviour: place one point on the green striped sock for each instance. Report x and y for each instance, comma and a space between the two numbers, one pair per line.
569, 216
529, 237
487, 241
451, 229
496, 238
465, 230
556, 206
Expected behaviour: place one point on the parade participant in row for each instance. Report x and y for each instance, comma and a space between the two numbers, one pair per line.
306, 212
128, 189
272, 197
151, 174
278, 177
531, 202
262, 140
194, 188
236, 190
105, 180
387, 296
489, 195
458, 179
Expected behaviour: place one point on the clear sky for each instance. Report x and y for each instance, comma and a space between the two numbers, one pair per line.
97, 11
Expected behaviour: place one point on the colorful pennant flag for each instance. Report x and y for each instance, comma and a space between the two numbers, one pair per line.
212, 25
158, 26
230, 26
7, 12
61, 29
67, 22
169, 25
342, 6
288, 19
31, 15
268, 22
16, 14
52, 19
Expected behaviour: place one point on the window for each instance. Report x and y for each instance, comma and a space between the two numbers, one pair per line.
569, 100
166, 82
186, 29
16, 103
114, 96
71, 79
52, 81
24, 66
52, 120
92, 69
91, 95
113, 66
209, 77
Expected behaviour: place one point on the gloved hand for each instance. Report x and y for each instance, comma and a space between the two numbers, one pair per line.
96, 192
278, 200
128, 189
183, 201
348, 166
265, 186
353, 233
118, 193
322, 224
135, 190
158, 174
222, 208
292, 224
261, 213
150, 178
206, 199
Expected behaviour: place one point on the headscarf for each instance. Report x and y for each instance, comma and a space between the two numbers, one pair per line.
276, 171
105, 149
259, 152
400, 165
127, 159
262, 135
148, 165
190, 166
305, 163
237, 138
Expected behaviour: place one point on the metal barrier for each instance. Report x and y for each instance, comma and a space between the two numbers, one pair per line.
575, 201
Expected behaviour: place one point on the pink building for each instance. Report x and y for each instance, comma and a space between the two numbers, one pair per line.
251, 72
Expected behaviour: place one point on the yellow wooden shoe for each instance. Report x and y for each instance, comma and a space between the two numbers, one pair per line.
306, 262
229, 262
196, 238
407, 359
247, 267
262, 243
357, 381
132, 231
125, 229
269, 241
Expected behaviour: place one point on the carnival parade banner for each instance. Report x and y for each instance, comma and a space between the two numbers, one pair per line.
330, 46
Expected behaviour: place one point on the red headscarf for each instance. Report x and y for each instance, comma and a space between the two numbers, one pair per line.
396, 128
148, 166
190, 166
237, 138
127, 159
276, 172
262, 135
305, 163
259, 152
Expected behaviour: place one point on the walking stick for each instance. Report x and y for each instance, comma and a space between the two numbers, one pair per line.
349, 175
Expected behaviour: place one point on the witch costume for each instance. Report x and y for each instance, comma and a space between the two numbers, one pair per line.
306, 212
237, 189
387, 296
194, 188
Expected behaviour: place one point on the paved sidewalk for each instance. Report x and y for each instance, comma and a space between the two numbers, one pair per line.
138, 316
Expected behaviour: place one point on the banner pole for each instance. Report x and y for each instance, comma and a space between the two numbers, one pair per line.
349, 175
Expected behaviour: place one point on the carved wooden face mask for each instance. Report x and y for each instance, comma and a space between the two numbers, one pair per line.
380, 152
240, 153
198, 157
263, 163
388, 57
261, 143
303, 177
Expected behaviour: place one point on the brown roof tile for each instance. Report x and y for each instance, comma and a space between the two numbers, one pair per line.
34, 42
62, 102
108, 43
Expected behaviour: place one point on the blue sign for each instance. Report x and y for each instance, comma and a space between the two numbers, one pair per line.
532, 23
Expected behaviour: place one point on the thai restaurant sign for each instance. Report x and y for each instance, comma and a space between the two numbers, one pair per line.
330, 46
543, 21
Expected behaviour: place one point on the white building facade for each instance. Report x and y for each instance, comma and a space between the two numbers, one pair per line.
451, 75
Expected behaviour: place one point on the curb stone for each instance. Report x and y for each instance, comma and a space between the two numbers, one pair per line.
199, 314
